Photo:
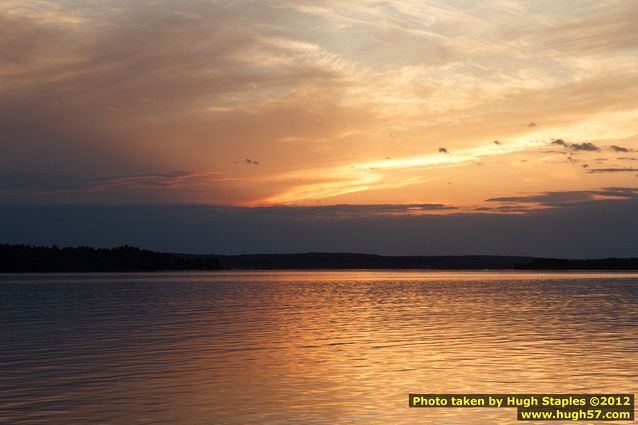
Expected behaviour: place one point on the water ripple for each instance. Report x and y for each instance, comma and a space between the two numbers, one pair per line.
305, 347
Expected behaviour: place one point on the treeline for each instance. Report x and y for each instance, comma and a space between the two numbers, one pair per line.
32, 259
598, 264
462, 262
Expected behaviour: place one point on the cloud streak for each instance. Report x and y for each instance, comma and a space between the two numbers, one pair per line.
569, 198
44, 182
613, 170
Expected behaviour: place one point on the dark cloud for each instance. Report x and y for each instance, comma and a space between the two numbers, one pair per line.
346, 210
531, 124
589, 147
619, 148
548, 198
251, 161
506, 209
585, 146
496, 142
567, 198
444, 150
613, 170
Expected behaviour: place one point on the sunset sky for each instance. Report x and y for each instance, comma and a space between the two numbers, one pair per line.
338, 109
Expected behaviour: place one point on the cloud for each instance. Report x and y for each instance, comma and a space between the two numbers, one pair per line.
509, 209
351, 211
570, 198
531, 124
444, 150
251, 161
615, 148
613, 170
600, 30
47, 182
585, 146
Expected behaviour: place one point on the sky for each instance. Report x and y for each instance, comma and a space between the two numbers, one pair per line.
425, 127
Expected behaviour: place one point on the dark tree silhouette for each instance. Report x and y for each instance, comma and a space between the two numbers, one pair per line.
597, 264
26, 258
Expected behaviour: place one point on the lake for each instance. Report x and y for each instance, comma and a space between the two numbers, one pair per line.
306, 347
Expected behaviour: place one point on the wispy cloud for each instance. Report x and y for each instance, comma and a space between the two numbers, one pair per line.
380, 174
613, 170
47, 182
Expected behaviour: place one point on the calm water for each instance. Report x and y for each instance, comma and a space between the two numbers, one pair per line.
305, 347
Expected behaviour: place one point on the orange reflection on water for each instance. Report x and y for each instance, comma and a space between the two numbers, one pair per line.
337, 347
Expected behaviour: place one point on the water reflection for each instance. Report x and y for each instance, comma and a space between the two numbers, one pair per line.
305, 347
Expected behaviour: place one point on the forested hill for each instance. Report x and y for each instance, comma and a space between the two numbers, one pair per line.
26, 259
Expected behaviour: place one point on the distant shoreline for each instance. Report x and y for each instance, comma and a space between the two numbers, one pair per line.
349, 261
32, 259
